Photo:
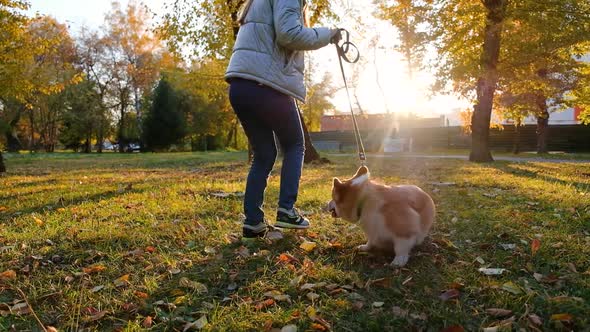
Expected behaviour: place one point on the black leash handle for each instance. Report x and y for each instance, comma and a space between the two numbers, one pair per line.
343, 50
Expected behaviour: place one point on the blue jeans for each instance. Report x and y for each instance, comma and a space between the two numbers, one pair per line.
262, 112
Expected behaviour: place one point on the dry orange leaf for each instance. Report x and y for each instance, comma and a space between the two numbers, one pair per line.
122, 281
94, 269
318, 327
147, 322
562, 317
454, 328
38, 221
535, 245
150, 249
264, 304
7, 275
3, 208
286, 258
141, 295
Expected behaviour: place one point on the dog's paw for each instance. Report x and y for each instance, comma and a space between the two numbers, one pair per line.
363, 248
400, 261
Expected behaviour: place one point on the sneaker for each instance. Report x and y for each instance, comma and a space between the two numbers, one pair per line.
291, 219
254, 231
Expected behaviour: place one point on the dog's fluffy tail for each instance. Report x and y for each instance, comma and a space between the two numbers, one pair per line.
427, 213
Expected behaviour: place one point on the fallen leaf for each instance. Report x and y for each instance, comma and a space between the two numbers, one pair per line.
150, 249
296, 281
312, 296
318, 327
289, 328
210, 250
511, 288
194, 285
456, 285
307, 286
399, 312
244, 252
38, 221
535, 245
287, 259
130, 307
508, 246
308, 246
311, 313
453, 328
147, 322
480, 260
97, 288
535, 319
174, 271
278, 296
141, 295
8, 275
421, 316
381, 282
20, 309
94, 269
572, 267
378, 304
180, 300
51, 329
495, 312
3, 208
358, 305
94, 317
562, 317
538, 276
449, 295
136, 252
491, 271
122, 281
274, 235
264, 304
196, 325
335, 245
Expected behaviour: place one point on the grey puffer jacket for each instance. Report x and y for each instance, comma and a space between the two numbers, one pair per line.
270, 44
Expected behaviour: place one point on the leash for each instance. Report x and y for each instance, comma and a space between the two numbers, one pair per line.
343, 50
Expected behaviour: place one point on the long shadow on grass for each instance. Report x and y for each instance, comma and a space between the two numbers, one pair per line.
510, 169
60, 202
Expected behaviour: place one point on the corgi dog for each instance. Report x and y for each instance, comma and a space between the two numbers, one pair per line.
392, 217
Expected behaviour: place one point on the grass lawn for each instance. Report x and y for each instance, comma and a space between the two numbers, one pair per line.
136, 241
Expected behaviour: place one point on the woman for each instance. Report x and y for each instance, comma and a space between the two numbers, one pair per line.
266, 76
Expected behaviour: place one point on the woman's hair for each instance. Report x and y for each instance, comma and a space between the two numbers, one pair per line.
246, 7
244, 11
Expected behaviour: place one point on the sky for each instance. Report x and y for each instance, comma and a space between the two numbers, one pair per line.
398, 93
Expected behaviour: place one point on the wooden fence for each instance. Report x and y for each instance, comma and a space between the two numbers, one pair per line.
570, 138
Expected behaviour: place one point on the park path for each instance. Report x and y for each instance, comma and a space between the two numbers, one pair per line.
465, 157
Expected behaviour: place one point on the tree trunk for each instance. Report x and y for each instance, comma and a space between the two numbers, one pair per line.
12, 141
2, 166
486, 84
516, 143
32, 133
121, 131
100, 136
311, 154
542, 125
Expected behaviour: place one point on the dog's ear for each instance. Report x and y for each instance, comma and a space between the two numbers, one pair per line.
362, 171
337, 183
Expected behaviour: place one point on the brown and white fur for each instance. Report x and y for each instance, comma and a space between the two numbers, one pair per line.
392, 217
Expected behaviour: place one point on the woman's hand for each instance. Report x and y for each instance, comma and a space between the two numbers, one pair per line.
335, 36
